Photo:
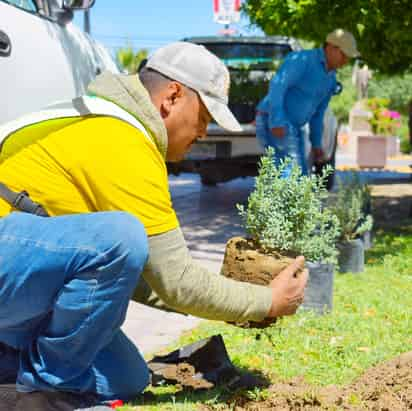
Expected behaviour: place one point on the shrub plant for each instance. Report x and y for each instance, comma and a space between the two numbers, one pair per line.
352, 207
287, 214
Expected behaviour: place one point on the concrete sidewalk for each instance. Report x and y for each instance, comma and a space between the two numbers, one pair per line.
151, 329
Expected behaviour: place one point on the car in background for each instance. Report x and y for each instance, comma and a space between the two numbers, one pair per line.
252, 61
44, 57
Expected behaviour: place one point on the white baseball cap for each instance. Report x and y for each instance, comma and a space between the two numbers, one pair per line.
345, 41
197, 68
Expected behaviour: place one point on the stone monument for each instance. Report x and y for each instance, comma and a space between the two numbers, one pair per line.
360, 79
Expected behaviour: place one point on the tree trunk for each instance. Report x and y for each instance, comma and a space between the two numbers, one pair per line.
410, 124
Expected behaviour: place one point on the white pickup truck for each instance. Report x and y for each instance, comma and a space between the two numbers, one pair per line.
43, 56
251, 61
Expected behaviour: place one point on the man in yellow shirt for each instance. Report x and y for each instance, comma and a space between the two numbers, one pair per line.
96, 165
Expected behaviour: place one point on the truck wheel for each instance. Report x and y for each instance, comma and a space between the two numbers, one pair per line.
207, 180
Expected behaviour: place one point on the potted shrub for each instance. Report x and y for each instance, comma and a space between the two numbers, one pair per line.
350, 206
285, 218
374, 150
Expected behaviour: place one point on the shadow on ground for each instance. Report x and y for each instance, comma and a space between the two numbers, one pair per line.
182, 395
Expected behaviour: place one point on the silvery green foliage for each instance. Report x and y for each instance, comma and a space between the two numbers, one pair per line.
351, 207
286, 214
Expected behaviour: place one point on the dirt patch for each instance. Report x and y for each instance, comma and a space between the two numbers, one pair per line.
184, 374
386, 387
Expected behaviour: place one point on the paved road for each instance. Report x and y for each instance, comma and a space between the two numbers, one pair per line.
208, 218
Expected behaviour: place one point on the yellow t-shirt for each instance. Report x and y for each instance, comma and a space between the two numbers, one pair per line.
94, 164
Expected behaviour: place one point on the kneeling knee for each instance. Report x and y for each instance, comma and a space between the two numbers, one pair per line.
128, 239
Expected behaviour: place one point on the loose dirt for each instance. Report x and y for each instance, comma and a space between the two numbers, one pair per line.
387, 387
185, 375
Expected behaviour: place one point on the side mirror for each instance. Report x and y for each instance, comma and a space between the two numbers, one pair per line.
63, 16
78, 4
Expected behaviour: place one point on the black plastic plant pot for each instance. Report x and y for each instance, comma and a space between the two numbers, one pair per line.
351, 258
319, 290
210, 361
208, 356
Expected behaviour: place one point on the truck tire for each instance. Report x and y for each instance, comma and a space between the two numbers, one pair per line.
207, 180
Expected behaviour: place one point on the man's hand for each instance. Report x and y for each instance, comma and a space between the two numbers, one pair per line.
278, 132
318, 155
288, 289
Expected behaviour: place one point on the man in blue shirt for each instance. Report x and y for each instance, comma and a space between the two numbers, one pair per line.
299, 93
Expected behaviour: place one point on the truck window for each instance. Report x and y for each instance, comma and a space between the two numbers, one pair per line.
28, 5
256, 55
251, 66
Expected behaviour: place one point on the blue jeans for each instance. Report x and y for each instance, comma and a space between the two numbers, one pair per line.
65, 284
292, 144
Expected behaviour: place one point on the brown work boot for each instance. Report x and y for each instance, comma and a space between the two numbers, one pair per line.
56, 401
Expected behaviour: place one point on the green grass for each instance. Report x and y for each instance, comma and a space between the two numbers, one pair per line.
371, 322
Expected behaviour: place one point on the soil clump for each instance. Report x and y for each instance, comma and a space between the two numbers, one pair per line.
244, 261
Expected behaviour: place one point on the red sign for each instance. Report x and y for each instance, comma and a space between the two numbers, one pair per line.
226, 11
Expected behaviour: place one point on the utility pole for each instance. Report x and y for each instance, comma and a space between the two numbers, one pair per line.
87, 28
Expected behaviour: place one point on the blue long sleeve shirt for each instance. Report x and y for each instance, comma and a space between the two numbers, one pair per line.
300, 92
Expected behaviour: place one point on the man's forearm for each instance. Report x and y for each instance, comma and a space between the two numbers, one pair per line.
185, 286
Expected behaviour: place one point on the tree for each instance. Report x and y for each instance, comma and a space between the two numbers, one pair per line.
129, 60
382, 27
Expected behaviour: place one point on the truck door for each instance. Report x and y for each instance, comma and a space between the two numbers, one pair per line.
41, 61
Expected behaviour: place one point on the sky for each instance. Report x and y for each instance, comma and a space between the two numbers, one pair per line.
153, 23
